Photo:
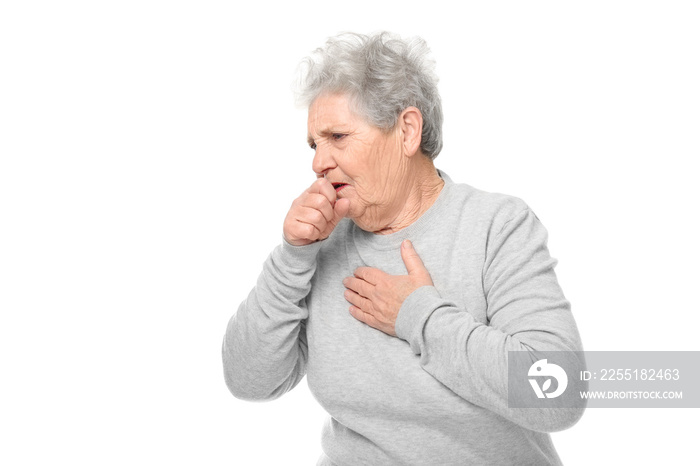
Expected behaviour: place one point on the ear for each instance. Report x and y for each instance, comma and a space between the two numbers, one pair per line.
411, 121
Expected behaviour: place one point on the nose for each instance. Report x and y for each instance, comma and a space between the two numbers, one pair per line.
323, 160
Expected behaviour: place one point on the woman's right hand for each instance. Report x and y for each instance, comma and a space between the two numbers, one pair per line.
314, 214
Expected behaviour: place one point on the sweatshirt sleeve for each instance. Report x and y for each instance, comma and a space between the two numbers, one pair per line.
264, 349
526, 311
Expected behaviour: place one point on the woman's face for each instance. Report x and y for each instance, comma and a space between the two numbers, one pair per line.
365, 164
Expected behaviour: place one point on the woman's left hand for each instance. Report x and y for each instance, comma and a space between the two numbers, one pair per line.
376, 296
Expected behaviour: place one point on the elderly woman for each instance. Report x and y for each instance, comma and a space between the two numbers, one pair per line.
397, 291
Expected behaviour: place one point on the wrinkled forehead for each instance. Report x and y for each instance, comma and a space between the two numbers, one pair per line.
329, 111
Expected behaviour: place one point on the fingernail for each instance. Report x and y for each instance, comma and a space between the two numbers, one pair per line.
406, 244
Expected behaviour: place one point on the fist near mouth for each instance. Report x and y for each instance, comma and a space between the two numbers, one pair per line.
314, 214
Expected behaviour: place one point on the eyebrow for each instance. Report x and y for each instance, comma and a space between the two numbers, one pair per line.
329, 131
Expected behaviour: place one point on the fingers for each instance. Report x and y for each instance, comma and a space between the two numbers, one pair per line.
360, 287
322, 197
300, 233
313, 217
324, 187
413, 262
318, 202
372, 321
357, 300
365, 317
369, 274
340, 210
314, 214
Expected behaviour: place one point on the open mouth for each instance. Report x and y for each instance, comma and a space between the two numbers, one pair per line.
339, 186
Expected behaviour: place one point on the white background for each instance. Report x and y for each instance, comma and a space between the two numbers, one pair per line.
150, 150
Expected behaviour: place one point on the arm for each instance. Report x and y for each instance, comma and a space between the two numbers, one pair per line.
527, 311
264, 350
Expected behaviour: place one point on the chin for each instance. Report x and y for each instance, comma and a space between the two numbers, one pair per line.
362, 223
358, 213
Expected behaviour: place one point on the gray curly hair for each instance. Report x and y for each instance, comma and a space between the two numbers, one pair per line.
383, 75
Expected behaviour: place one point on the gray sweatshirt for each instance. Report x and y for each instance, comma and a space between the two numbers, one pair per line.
437, 394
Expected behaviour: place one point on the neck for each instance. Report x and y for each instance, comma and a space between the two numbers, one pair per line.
423, 186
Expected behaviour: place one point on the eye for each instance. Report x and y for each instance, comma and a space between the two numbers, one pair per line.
312, 145
338, 136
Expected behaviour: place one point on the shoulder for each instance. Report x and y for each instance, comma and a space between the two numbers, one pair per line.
491, 210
